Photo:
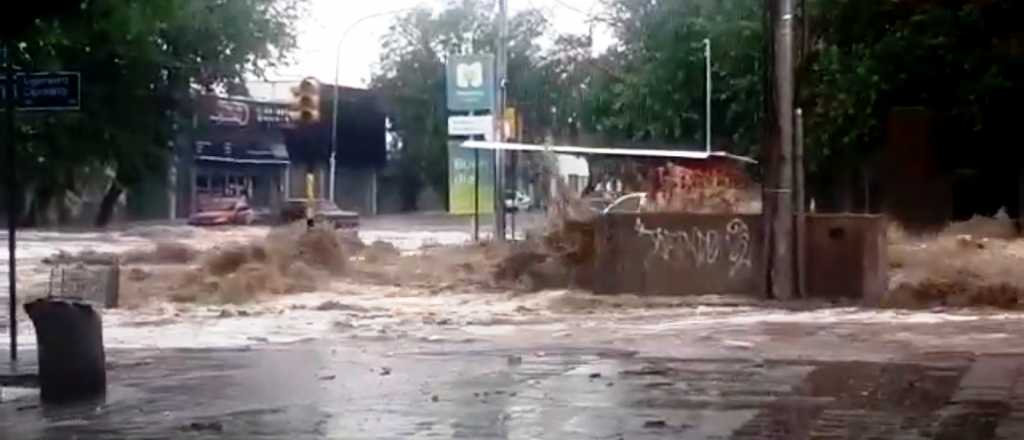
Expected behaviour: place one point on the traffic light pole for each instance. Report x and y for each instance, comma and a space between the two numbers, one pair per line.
12, 193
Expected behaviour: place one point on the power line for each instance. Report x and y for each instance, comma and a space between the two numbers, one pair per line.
589, 14
575, 9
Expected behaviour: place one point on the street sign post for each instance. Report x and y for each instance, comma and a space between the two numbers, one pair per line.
45, 91
471, 126
470, 89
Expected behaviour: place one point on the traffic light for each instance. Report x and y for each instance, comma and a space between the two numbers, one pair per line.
306, 108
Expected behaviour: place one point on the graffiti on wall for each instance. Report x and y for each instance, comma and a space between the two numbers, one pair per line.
702, 247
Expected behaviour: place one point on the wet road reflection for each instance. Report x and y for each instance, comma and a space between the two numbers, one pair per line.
311, 390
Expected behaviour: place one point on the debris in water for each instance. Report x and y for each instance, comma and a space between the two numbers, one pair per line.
206, 426
327, 378
659, 385
385, 371
653, 424
647, 370
595, 375
339, 306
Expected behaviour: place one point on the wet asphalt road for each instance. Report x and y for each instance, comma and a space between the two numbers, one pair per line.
323, 391
309, 391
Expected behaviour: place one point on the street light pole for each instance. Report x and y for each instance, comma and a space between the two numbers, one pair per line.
337, 73
707, 103
12, 194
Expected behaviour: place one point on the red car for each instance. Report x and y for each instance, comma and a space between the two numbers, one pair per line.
223, 211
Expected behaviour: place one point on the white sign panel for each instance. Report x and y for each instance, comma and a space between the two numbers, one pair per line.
470, 125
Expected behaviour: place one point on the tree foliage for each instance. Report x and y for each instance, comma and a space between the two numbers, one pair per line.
956, 59
659, 92
649, 88
863, 58
140, 61
411, 75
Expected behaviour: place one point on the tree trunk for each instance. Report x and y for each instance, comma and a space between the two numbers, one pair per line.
107, 205
39, 212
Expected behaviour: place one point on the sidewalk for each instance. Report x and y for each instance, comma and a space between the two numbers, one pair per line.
20, 374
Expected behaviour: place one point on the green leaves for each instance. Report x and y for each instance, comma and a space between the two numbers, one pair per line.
873, 56
660, 94
140, 61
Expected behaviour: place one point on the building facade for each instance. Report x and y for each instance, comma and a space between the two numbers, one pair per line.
252, 148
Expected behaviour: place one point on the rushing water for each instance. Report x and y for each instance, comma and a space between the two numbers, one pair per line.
359, 360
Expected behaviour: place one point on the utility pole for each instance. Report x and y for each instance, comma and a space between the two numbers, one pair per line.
12, 194
781, 259
501, 48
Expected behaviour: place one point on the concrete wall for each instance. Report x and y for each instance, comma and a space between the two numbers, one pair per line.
847, 257
696, 254
679, 254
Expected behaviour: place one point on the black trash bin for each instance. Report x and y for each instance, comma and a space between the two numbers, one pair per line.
72, 361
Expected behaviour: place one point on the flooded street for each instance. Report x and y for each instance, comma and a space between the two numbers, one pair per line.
378, 360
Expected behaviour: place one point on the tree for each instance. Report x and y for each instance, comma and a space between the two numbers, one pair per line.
956, 59
141, 62
657, 92
412, 76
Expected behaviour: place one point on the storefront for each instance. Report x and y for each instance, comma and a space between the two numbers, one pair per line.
239, 151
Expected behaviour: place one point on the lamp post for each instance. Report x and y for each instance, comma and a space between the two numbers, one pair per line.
707, 98
337, 68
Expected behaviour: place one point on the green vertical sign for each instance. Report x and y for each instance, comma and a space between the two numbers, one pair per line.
461, 183
470, 80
